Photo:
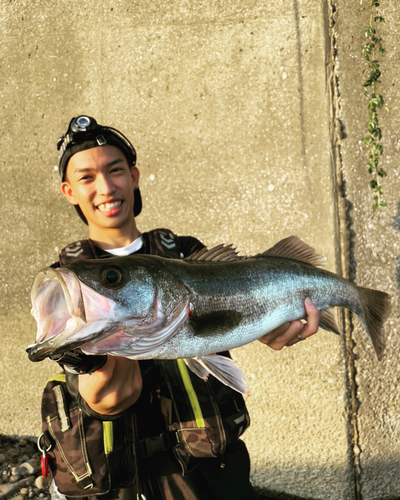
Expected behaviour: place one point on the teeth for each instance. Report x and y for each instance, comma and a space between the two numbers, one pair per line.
106, 207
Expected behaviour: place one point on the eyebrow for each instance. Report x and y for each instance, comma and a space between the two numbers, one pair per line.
80, 170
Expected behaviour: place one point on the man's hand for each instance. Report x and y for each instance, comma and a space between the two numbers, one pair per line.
295, 331
114, 387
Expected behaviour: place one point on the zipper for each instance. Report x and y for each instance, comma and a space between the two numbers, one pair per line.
194, 402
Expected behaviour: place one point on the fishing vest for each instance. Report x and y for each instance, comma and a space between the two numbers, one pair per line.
162, 242
199, 418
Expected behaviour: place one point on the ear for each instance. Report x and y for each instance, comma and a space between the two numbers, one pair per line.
66, 190
135, 176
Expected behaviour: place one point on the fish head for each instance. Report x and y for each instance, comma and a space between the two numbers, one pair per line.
126, 286
89, 300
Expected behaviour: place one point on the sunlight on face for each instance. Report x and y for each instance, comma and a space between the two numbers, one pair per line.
101, 182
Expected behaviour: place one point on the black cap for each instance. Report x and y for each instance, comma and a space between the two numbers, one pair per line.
85, 133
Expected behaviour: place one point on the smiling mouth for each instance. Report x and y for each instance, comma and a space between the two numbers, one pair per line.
110, 206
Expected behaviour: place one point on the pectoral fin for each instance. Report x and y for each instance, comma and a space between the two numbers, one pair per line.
222, 368
197, 368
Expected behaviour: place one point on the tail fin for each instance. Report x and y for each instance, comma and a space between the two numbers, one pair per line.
376, 310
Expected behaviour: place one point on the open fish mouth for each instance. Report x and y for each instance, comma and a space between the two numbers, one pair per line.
60, 307
54, 304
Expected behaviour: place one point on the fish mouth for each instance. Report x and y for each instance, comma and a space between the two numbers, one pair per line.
59, 309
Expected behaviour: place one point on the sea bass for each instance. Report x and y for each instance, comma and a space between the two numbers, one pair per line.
145, 306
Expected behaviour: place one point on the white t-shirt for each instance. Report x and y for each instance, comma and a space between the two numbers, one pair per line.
123, 251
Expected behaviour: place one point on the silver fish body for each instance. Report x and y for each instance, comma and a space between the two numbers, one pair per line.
241, 301
166, 308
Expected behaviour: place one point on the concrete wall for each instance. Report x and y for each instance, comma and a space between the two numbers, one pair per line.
233, 107
374, 245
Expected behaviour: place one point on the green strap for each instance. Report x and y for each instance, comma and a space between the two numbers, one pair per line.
108, 436
198, 415
57, 378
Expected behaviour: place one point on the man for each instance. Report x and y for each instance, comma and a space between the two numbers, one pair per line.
100, 178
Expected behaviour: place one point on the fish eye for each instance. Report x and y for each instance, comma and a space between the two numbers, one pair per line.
112, 277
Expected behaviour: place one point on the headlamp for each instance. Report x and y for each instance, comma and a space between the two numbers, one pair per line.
83, 124
85, 133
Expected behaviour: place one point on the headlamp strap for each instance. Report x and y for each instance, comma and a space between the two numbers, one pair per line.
63, 144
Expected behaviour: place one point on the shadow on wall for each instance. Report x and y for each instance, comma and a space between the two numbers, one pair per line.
301, 86
338, 482
270, 495
396, 225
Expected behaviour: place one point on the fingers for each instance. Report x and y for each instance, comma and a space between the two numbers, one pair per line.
295, 331
312, 313
275, 333
284, 335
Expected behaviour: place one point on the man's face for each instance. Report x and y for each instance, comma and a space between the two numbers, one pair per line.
101, 182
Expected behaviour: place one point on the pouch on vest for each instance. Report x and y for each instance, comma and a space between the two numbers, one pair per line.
80, 447
204, 419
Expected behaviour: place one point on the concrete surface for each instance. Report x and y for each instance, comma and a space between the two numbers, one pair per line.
233, 107
374, 250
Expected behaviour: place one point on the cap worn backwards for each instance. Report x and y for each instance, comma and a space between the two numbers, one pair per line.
85, 133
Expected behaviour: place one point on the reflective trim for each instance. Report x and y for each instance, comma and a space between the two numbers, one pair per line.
108, 437
194, 402
57, 378
61, 408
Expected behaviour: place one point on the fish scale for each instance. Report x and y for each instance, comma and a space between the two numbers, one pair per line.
265, 309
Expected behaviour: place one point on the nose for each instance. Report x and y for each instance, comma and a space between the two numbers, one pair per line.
104, 185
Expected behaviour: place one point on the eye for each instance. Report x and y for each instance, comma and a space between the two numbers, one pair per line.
113, 277
85, 178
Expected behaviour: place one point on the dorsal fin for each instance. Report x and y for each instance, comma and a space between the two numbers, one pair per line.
294, 248
220, 253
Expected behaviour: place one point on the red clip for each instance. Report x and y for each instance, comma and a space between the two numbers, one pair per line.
44, 462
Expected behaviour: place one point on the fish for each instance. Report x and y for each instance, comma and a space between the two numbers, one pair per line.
151, 307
